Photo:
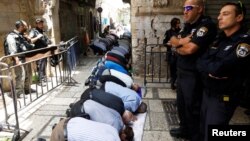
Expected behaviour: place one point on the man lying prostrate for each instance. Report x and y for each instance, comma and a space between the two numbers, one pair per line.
100, 96
81, 129
132, 101
103, 114
108, 100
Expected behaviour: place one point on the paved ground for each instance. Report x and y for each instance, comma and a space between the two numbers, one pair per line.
39, 117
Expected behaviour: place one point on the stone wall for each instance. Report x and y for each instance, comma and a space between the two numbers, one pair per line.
11, 11
149, 20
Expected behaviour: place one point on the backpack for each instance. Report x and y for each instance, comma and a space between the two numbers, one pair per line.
5, 44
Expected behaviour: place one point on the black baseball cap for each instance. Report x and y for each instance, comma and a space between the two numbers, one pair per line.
38, 20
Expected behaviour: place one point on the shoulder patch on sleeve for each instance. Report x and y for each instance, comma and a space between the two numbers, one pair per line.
202, 31
243, 50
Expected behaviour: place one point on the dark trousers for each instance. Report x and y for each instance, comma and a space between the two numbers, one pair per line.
189, 94
215, 111
41, 66
173, 70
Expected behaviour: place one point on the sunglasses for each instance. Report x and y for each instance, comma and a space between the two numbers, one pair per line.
240, 5
189, 7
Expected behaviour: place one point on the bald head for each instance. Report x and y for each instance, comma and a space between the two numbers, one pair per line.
193, 9
196, 2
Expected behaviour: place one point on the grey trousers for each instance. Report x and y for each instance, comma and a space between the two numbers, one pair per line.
23, 78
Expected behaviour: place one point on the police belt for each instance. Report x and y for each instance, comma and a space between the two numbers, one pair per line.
219, 94
188, 72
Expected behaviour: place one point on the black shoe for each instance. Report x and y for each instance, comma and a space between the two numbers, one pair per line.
179, 133
29, 91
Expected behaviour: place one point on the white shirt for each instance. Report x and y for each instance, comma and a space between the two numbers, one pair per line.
81, 129
123, 77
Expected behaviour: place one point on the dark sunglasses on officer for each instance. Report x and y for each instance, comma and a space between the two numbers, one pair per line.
189, 7
241, 7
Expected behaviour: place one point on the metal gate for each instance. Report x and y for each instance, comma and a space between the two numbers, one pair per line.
156, 68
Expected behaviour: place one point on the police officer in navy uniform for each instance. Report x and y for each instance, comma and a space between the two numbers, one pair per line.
199, 31
224, 67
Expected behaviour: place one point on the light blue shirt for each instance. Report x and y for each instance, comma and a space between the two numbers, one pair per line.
81, 129
103, 114
129, 97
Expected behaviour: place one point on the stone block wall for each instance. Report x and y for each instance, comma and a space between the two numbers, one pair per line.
10, 11
149, 20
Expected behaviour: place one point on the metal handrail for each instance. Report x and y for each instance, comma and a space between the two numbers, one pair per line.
14, 99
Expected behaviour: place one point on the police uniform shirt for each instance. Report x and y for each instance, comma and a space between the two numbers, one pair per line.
169, 33
81, 129
203, 32
103, 114
227, 59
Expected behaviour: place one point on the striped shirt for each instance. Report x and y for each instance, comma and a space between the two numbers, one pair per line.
81, 129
